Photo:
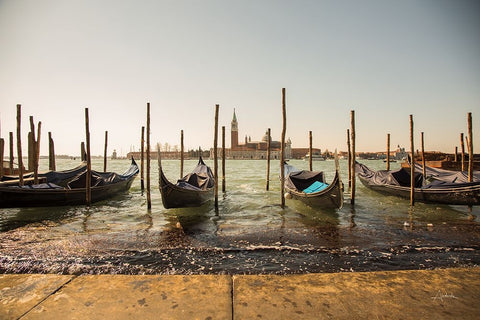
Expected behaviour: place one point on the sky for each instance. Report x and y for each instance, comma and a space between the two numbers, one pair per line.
385, 59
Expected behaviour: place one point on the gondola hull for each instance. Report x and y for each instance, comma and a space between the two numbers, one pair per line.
176, 197
452, 194
12, 197
331, 197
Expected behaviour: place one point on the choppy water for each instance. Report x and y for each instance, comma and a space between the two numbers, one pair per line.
250, 234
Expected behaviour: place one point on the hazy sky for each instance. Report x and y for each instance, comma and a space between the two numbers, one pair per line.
384, 59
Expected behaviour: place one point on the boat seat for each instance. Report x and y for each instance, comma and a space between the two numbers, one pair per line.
315, 187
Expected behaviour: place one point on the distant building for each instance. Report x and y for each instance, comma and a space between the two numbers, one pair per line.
253, 149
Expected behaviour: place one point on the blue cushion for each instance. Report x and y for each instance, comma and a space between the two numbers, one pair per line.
315, 187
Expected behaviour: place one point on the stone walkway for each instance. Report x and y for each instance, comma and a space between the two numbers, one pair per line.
428, 294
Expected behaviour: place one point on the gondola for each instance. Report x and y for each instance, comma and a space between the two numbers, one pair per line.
193, 190
310, 188
64, 188
442, 189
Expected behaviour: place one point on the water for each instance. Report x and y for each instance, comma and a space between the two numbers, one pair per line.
250, 234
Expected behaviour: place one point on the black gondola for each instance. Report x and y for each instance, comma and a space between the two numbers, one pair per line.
65, 188
310, 188
443, 188
193, 190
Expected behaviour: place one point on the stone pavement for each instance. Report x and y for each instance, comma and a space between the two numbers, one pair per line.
427, 294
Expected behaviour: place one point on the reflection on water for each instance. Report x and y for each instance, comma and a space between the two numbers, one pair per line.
249, 233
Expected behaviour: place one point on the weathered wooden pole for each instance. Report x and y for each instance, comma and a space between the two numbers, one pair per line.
462, 145
30, 151
224, 187
142, 160
388, 151
282, 155
470, 148
215, 155
51, 153
353, 160
105, 152
349, 159
423, 159
10, 136
456, 154
88, 180
19, 145
149, 198
267, 187
412, 165
181, 154
310, 149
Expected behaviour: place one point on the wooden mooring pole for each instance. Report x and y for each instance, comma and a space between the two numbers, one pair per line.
19, 145
142, 160
388, 151
412, 165
224, 187
215, 155
423, 159
470, 147
181, 154
267, 187
51, 153
88, 180
83, 153
105, 152
2, 150
349, 159
310, 149
282, 155
149, 198
352, 191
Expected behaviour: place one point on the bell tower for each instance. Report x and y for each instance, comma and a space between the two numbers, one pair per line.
234, 132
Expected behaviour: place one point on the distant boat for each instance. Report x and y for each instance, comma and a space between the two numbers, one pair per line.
310, 187
193, 190
444, 188
391, 160
64, 188
315, 157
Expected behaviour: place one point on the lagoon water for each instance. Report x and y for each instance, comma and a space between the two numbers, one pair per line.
250, 233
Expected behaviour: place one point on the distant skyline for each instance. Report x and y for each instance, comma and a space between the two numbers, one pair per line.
384, 59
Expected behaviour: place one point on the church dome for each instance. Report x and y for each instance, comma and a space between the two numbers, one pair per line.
265, 137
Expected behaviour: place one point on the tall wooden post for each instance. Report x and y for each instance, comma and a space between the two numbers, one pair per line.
223, 160
349, 159
388, 151
10, 138
412, 165
30, 150
181, 154
462, 145
51, 153
282, 155
149, 199
88, 180
352, 197
142, 160
310, 149
105, 152
267, 187
456, 154
470, 148
423, 159
215, 155
19, 145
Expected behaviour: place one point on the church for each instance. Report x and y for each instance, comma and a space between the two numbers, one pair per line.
253, 149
